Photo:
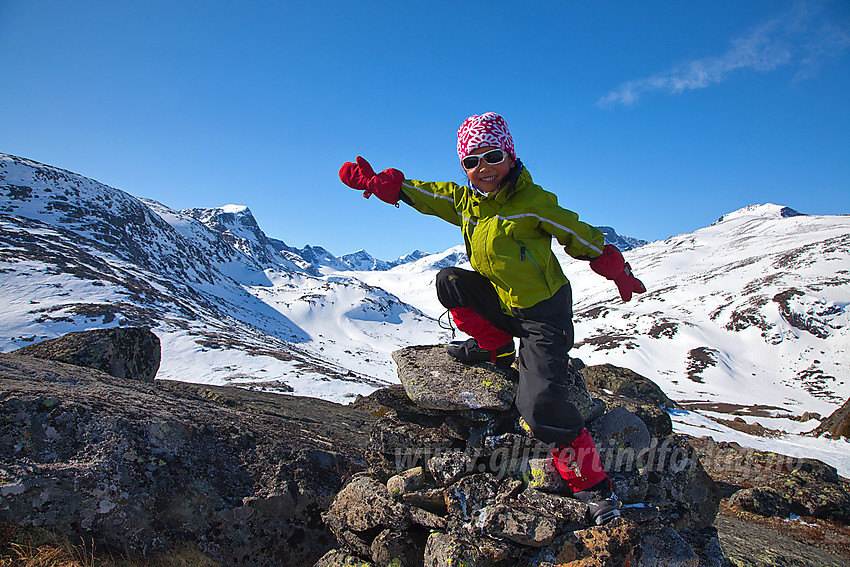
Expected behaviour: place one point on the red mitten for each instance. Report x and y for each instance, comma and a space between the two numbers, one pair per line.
612, 266
628, 284
386, 185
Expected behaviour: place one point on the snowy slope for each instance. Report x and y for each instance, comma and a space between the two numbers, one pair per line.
750, 310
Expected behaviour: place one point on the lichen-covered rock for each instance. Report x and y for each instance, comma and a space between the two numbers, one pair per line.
407, 443
542, 475
337, 558
676, 478
362, 507
501, 521
764, 501
433, 380
491, 495
450, 466
471, 493
655, 417
561, 507
122, 352
780, 485
611, 545
407, 481
623, 439
442, 550
394, 548
706, 544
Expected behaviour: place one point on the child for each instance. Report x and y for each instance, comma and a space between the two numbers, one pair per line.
518, 288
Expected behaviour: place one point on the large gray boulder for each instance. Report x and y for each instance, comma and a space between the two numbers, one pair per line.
122, 352
141, 468
433, 380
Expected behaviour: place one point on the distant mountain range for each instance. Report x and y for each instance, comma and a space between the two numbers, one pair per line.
749, 312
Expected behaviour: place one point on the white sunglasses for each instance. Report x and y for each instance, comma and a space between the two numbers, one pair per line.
492, 157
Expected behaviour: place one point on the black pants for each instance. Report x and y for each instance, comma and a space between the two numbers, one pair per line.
545, 331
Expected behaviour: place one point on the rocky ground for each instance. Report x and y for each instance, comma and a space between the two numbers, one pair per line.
250, 476
751, 540
141, 468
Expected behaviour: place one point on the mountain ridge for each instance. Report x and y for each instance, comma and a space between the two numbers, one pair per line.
745, 312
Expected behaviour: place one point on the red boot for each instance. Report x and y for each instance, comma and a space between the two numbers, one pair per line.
580, 465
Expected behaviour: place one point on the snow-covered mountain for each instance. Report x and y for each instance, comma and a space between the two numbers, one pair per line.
229, 304
745, 321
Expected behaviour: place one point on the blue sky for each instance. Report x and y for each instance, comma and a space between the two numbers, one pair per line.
652, 117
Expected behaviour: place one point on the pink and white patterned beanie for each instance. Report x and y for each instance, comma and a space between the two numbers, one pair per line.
488, 129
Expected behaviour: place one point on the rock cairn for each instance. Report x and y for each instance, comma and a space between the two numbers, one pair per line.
453, 480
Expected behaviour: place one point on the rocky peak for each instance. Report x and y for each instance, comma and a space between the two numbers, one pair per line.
236, 225
766, 211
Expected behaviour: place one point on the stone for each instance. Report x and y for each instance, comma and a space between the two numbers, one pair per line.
408, 481
501, 521
123, 352
429, 499
556, 506
666, 548
450, 466
837, 424
706, 544
470, 494
424, 518
408, 443
807, 487
393, 548
608, 545
621, 437
361, 508
676, 476
542, 475
656, 418
443, 549
337, 558
764, 501
433, 380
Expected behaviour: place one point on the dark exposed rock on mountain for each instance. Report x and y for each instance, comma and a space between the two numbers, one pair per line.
624, 243
467, 486
136, 467
837, 425
122, 352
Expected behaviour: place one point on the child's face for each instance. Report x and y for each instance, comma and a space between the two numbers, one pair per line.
485, 176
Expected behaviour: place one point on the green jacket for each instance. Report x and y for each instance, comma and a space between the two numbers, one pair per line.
508, 235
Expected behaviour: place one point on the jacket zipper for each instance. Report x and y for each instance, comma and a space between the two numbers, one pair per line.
523, 251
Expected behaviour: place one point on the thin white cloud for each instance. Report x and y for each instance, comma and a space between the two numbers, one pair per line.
799, 37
